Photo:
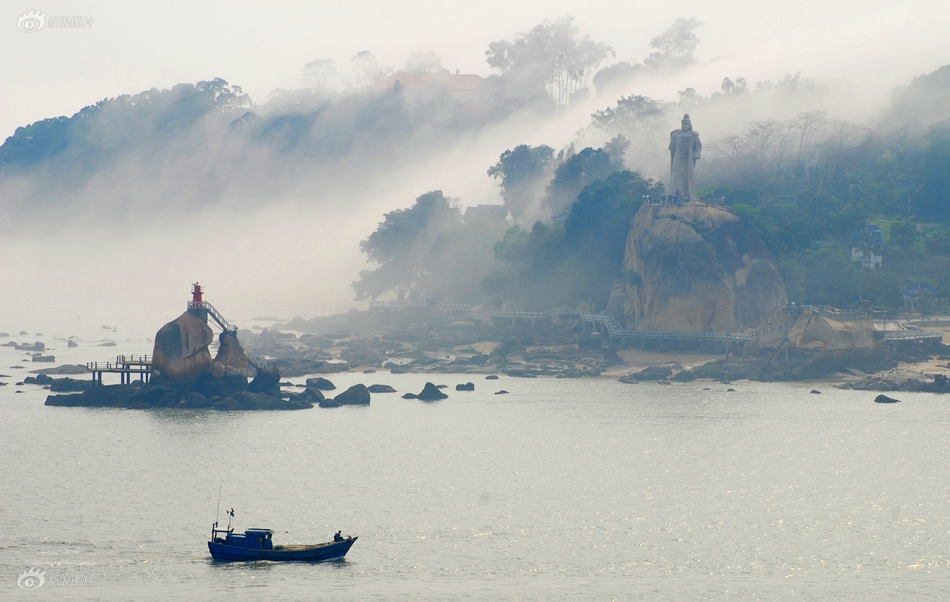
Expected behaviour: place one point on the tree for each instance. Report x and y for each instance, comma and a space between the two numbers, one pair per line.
675, 46
580, 169
935, 172
557, 265
522, 171
317, 73
423, 62
402, 244
368, 69
551, 58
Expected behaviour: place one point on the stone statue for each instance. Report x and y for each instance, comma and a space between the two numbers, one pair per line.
685, 150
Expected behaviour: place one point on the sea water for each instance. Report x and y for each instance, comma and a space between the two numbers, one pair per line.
560, 490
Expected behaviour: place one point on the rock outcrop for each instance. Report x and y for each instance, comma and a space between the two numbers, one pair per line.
181, 359
357, 395
699, 268
181, 353
816, 346
430, 392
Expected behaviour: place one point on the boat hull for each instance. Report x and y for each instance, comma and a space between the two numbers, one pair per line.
324, 551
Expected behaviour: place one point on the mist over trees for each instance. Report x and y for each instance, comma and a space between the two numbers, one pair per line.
550, 59
580, 258
429, 251
523, 173
673, 52
809, 179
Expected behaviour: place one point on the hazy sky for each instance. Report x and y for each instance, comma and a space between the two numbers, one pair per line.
299, 256
261, 46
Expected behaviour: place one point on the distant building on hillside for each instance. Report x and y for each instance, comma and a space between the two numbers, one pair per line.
461, 86
876, 238
489, 213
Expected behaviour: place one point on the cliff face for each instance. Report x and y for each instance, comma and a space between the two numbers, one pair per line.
701, 269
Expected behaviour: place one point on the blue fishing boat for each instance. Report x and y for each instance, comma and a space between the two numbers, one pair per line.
257, 544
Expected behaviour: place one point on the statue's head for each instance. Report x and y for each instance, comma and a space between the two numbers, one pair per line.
687, 124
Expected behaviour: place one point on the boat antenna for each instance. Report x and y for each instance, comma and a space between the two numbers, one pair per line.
218, 511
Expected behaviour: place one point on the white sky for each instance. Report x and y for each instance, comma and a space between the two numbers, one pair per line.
262, 45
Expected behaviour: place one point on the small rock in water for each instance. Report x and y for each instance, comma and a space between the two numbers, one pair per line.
355, 395
502, 392
465, 387
815, 392
410, 396
23, 333
320, 383
730, 390
491, 377
380, 389
431, 392
441, 386
369, 371
885, 399
72, 344
706, 389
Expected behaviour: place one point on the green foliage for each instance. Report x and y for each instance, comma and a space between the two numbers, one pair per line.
935, 173
522, 171
580, 169
581, 258
112, 128
428, 249
403, 245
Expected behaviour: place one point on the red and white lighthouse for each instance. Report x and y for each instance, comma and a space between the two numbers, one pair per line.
196, 302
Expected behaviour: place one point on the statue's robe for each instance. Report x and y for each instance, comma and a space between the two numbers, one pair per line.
685, 149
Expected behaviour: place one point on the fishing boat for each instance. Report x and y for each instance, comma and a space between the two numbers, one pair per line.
257, 544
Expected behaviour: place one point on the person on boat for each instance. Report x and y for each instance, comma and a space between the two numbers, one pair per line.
337, 536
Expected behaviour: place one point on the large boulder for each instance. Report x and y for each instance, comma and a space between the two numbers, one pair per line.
355, 395
231, 357
699, 268
181, 353
430, 392
812, 331
320, 383
267, 381
308, 395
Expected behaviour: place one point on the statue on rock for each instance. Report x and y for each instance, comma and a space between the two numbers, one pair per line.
685, 150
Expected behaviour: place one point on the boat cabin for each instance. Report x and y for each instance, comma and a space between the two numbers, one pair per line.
255, 539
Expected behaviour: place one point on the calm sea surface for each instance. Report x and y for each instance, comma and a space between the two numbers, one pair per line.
561, 490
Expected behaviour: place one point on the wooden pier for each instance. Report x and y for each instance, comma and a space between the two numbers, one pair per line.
125, 366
